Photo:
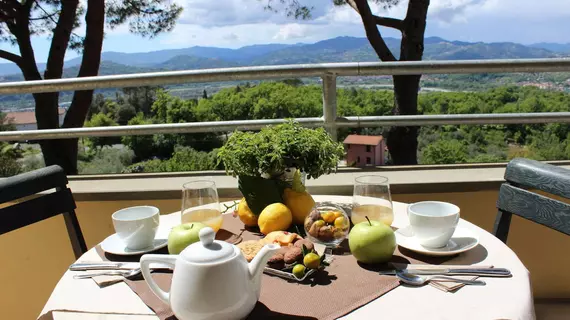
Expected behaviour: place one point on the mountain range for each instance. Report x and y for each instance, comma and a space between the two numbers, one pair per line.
340, 49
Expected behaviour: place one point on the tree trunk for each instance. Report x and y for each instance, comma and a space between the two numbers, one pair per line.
92, 46
403, 141
64, 151
58, 152
61, 151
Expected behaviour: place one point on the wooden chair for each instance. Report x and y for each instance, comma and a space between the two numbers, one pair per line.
39, 203
522, 174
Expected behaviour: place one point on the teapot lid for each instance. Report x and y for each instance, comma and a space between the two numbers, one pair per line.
208, 250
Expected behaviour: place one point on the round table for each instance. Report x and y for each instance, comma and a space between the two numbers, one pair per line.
501, 298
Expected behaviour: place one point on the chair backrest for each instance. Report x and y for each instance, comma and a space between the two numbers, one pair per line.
514, 198
40, 204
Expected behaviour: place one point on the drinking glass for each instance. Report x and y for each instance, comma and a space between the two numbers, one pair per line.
200, 203
371, 198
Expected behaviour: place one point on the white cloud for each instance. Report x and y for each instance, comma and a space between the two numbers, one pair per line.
453, 11
217, 13
231, 37
291, 31
237, 23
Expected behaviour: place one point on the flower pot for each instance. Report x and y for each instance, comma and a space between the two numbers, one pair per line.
286, 176
260, 192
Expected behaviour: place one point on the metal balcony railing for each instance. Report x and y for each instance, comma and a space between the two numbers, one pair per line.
328, 72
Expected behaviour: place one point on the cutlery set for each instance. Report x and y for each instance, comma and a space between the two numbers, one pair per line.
124, 273
482, 272
413, 274
107, 268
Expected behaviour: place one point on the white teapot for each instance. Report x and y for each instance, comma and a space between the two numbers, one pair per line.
211, 280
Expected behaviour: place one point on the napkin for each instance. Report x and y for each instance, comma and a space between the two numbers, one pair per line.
446, 285
451, 286
105, 281
84, 315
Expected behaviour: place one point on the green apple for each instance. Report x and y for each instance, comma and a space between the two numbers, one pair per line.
184, 235
372, 242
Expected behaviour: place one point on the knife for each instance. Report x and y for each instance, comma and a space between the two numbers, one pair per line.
109, 265
488, 272
85, 266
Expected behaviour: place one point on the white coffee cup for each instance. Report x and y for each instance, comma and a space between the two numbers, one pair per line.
137, 226
433, 222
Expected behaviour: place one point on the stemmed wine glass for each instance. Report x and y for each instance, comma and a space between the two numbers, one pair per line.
200, 203
372, 199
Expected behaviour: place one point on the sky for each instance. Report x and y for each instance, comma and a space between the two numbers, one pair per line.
237, 23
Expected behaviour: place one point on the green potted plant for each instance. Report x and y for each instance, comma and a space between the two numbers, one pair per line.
266, 161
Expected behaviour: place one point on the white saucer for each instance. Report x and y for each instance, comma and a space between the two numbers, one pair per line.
114, 245
462, 240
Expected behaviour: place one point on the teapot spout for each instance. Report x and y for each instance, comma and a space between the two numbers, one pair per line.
260, 260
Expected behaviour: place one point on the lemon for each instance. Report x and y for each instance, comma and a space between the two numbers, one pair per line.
300, 204
312, 261
245, 215
275, 217
299, 271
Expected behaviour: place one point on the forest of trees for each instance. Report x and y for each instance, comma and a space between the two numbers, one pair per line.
292, 99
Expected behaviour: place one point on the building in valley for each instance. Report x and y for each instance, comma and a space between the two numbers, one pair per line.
26, 120
363, 151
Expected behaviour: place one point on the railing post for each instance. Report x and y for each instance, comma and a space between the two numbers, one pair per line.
329, 104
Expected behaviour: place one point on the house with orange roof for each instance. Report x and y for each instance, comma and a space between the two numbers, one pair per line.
26, 120
363, 151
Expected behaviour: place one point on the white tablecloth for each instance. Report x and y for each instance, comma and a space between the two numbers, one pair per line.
501, 298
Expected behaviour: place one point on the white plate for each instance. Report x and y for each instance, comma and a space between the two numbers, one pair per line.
114, 245
462, 240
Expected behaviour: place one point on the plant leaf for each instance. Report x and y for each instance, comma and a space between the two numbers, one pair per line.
260, 192
305, 250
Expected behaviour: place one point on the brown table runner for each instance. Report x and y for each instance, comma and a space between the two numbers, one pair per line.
342, 287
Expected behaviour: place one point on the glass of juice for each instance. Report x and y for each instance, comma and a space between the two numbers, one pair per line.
200, 204
371, 198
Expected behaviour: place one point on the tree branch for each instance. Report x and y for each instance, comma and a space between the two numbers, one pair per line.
47, 14
11, 4
90, 62
60, 40
389, 22
8, 10
11, 57
352, 4
20, 30
372, 33
381, 21
28, 4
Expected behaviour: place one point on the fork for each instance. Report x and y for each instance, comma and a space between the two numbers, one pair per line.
124, 273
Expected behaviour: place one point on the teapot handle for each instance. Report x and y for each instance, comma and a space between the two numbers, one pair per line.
146, 260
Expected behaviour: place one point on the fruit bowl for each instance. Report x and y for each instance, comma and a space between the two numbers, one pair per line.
327, 225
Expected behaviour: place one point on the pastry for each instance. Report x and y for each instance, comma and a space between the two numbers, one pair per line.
250, 248
277, 261
283, 238
293, 255
308, 244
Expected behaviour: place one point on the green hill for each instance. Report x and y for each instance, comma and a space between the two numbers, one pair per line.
340, 49
186, 62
